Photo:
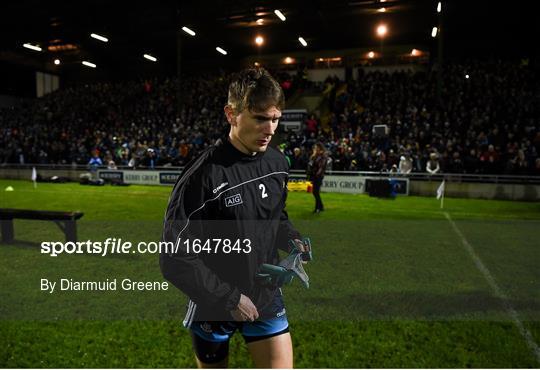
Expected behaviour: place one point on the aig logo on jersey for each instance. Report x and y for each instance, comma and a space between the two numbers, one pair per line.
233, 200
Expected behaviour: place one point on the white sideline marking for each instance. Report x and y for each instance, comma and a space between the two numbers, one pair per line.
526, 334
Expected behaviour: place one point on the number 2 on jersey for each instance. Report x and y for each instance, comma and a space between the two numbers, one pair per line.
264, 194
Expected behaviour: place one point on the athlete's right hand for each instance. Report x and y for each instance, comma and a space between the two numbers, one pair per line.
246, 310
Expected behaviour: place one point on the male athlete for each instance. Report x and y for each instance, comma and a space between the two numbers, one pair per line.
226, 216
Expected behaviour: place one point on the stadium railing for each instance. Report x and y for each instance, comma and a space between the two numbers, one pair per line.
451, 177
415, 176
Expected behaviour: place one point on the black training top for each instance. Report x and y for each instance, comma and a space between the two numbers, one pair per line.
226, 217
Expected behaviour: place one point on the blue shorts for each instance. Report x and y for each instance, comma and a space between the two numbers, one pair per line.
211, 338
274, 321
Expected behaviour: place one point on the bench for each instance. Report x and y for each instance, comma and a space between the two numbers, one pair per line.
66, 221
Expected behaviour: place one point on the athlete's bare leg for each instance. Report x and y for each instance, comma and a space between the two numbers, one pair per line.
223, 364
275, 352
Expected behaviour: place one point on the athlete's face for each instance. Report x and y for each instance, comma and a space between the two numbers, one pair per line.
251, 132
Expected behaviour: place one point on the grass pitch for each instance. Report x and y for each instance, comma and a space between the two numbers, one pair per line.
392, 284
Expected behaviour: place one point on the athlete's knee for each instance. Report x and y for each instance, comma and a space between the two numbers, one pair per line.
215, 365
210, 354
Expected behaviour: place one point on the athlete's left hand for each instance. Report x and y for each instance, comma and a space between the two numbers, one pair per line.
302, 247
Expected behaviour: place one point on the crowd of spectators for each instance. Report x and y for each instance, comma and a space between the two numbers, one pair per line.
487, 121
132, 124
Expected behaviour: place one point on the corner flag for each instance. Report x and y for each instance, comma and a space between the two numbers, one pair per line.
440, 192
34, 176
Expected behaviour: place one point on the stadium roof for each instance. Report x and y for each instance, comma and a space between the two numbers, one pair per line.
62, 29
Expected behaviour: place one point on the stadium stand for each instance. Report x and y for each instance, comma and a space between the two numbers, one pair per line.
136, 123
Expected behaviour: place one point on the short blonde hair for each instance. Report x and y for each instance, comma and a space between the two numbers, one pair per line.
256, 90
